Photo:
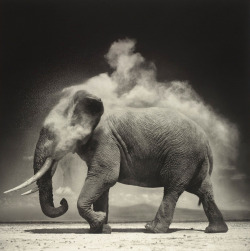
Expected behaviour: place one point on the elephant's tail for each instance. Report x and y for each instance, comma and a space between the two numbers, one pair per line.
199, 203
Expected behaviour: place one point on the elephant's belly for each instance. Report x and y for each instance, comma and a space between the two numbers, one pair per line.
133, 182
139, 172
143, 179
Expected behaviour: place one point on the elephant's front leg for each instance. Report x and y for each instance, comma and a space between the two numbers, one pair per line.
95, 191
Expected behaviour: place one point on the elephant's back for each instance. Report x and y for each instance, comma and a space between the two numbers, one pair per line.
154, 120
146, 130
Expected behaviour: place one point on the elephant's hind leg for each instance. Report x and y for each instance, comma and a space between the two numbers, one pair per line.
175, 182
215, 218
165, 212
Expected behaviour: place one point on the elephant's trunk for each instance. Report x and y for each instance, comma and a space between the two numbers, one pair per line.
46, 198
45, 182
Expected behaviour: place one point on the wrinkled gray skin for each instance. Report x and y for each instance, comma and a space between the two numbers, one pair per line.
151, 147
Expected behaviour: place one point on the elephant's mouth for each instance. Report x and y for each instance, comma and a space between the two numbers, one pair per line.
49, 164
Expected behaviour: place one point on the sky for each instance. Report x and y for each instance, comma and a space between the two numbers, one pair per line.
50, 45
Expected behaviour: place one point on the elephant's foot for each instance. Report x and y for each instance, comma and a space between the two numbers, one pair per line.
104, 229
150, 227
220, 227
158, 227
98, 226
97, 221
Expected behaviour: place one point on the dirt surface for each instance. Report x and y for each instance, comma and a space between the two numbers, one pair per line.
129, 236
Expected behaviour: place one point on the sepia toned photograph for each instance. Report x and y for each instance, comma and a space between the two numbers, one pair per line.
124, 125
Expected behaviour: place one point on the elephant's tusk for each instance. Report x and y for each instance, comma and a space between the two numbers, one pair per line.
53, 168
33, 190
34, 178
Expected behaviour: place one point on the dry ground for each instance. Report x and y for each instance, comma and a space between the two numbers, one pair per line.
129, 236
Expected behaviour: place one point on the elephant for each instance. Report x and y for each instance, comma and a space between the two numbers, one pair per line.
147, 147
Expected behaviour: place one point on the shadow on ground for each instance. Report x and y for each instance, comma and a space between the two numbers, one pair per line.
86, 230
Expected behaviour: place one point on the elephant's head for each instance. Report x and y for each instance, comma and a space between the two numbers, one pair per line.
70, 123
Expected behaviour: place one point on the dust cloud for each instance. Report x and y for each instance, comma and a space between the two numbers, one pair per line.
133, 83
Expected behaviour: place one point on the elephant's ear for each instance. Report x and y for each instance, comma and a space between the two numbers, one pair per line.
87, 110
